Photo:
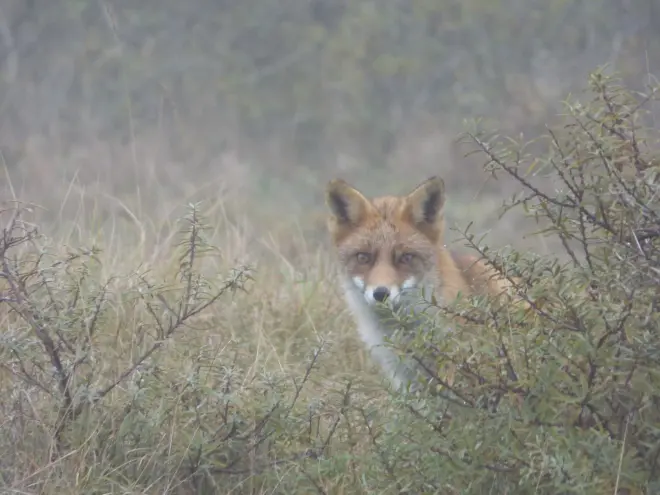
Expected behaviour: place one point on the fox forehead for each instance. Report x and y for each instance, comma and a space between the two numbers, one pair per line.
389, 207
385, 236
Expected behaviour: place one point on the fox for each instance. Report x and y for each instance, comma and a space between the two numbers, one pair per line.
391, 251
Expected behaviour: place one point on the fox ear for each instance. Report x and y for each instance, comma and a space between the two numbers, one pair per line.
347, 205
426, 202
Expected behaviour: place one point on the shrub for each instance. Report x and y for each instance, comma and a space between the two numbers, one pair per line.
128, 380
559, 395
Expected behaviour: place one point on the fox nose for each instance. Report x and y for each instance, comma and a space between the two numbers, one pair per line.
381, 293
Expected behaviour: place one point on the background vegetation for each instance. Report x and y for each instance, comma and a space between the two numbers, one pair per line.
171, 321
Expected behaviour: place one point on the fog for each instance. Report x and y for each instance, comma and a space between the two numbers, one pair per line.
116, 109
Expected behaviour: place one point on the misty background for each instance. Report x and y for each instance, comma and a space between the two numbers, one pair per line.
122, 111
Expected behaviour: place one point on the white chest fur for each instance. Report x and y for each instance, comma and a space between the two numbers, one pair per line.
375, 331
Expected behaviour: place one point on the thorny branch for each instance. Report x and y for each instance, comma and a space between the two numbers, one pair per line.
23, 298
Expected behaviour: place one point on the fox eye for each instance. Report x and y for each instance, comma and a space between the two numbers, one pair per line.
406, 258
363, 258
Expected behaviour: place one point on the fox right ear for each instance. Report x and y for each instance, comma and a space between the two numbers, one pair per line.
347, 205
427, 201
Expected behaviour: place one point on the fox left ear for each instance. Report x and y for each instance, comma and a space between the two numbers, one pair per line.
347, 205
426, 202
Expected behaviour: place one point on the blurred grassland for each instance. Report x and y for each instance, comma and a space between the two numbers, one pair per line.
115, 117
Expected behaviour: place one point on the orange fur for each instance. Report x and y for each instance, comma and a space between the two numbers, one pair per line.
390, 248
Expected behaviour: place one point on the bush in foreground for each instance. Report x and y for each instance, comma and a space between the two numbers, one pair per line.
559, 394
132, 381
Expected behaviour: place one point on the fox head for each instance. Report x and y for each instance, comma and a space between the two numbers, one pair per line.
387, 245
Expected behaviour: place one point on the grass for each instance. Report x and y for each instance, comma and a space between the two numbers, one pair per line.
244, 387
174, 328
203, 342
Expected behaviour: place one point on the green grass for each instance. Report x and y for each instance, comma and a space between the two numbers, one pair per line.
238, 393
165, 335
